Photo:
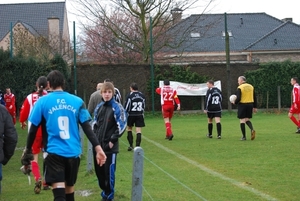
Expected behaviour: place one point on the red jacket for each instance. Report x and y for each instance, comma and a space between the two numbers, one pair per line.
167, 95
10, 102
296, 94
27, 107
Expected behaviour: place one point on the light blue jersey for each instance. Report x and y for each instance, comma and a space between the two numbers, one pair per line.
60, 112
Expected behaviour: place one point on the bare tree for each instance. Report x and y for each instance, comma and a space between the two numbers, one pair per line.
97, 13
29, 44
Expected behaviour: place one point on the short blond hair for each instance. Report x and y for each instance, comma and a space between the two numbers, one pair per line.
108, 86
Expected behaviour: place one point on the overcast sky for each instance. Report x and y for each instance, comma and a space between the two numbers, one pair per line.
279, 9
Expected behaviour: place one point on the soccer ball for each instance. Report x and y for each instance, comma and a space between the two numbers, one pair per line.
232, 98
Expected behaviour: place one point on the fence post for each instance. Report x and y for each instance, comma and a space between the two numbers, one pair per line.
137, 174
279, 98
89, 164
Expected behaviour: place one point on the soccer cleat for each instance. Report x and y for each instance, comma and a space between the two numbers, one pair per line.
130, 149
298, 130
209, 136
253, 134
38, 186
243, 139
46, 188
219, 137
171, 137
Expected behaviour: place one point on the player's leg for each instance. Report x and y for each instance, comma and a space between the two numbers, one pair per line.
55, 175
171, 111
100, 173
291, 113
106, 176
36, 149
129, 133
138, 136
209, 125
242, 116
72, 167
218, 124
166, 116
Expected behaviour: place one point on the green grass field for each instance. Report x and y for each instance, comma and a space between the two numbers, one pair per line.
192, 166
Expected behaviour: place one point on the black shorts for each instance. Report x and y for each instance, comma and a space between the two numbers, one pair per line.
61, 169
138, 121
212, 115
245, 110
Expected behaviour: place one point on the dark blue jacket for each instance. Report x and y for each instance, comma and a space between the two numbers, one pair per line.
8, 136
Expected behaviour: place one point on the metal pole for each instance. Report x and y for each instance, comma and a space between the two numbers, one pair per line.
11, 40
137, 174
227, 64
151, 62
75, 73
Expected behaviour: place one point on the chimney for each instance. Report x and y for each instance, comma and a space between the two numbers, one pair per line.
53, 33
176, 15
287, 19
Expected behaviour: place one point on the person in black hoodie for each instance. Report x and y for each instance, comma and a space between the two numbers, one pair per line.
8, 138
110, 120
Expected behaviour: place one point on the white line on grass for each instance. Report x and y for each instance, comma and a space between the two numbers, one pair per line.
174, 178
212, 172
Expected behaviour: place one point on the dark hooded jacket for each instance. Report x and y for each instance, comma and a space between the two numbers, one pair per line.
110, 121
8, 136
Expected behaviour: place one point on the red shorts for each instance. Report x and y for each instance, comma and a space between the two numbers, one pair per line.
167, 111
38, 142
293, 110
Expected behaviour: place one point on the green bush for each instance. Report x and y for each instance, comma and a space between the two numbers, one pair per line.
269, 77
20, 73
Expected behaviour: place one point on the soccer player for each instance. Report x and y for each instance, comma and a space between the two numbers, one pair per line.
8, 138
59, 114
95, 99
41, 85
295, 107
168, 96
109, 124
117, 94
10, 103
213, 108
135, 106
247, 104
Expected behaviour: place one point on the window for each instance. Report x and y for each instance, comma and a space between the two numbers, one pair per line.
195, 35
229, 33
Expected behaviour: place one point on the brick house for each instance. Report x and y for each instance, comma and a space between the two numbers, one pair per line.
36, 20
253, 37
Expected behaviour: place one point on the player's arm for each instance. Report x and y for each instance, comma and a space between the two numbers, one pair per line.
158, 90
24, 113
255, 100
127, 104
238, 96
176, 99
31, 136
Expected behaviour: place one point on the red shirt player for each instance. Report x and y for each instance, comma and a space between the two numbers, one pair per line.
295, 107
37, 146
168, 96
10, 103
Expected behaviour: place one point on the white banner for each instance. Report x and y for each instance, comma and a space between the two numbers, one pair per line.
185, 89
